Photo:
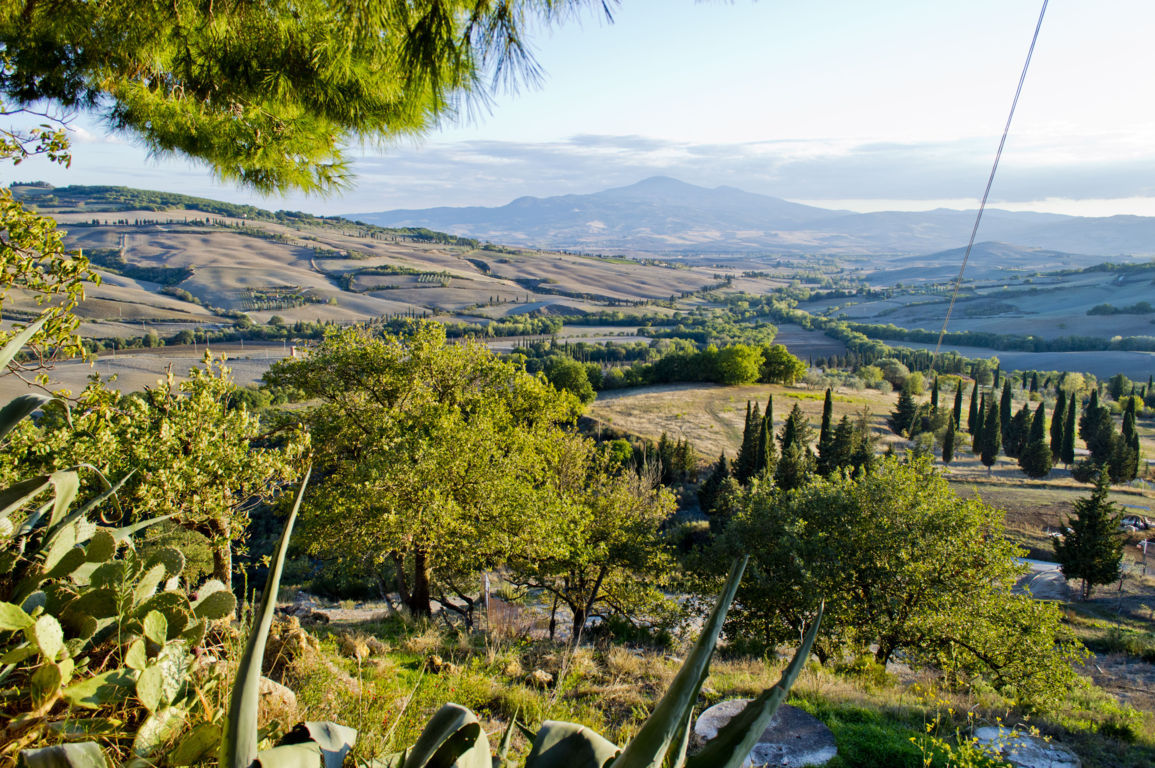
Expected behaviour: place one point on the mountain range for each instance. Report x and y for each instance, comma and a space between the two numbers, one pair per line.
667, 216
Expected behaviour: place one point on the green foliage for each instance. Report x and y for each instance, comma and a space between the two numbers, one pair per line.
192, 456
903, 415
455, 737
437, 458
568, 375
268, 95
1092, 550
96, 638
46, 278
897, 536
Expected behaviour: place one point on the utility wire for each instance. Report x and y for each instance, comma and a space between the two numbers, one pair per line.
990, 181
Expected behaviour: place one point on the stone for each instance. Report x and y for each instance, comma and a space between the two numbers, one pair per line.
278, 702
794, 738
1024, 751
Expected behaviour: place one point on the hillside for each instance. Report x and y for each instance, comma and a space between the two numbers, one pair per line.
663, 215
173, 262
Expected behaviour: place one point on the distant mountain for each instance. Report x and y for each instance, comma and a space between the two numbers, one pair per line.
665, 215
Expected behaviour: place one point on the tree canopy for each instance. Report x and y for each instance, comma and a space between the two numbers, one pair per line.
436, 455
268, 94
903, 565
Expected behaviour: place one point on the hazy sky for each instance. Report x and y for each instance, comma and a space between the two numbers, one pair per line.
886, 104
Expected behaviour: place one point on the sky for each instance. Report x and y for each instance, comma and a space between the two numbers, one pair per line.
880, 105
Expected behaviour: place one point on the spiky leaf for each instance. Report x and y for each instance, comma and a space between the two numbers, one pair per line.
155, 627
48, 636
83, 755
239, 744
150, 688
649, 747
733, 742
101, 547
333, 740
568, 745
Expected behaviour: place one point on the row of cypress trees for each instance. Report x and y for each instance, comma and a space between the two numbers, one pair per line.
788, 458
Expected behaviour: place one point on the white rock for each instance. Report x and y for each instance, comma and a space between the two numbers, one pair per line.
1024, 751
793, 738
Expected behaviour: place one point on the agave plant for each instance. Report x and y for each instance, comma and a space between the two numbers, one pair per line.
454, 736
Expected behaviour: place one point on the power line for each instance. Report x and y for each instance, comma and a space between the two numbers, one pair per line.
990, 181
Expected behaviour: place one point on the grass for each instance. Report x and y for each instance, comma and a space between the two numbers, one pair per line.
878, 718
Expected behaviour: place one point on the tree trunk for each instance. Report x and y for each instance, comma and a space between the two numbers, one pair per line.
553, 619
420, 597
223, 561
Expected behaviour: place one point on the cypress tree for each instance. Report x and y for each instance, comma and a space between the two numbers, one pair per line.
948, 441
843, 443
1068, 454
1019, 433
934, 395
827, 461
958, 398
1087, 422
1039, 425
1036, 459
766, 453
979, 427
1058, 418
708, 493
1092, 551
1005, 405
992, 432
998, 376
973, 417
904, 411
1035, 382
797, 459
747, 456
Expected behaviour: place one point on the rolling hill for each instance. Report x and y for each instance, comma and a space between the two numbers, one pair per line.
663, 215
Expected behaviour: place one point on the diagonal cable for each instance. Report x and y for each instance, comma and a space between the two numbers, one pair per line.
990, 181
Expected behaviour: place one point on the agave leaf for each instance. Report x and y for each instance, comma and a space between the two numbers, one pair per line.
85, 754
14, 496
334, 741
503, 748
67, 483
307, 755
121, 534
649, 747
452, 737
568, 745
17, 342
729, 748
18, 408
239, 743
